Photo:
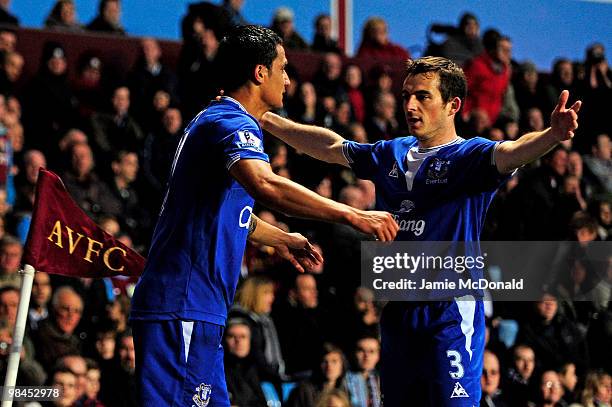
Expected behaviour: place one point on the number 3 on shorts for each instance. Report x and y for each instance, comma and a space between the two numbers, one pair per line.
455, 361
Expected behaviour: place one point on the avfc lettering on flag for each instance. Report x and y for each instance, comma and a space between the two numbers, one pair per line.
88, 248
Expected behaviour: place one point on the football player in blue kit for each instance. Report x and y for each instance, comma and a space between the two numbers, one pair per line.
438, 186
180, 304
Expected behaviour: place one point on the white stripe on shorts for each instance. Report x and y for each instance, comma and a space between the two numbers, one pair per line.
467, 309
187, 331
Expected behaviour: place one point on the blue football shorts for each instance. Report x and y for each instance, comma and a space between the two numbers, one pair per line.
179, 363
432, 353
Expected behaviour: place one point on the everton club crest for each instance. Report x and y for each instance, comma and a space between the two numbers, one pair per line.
437, 171
202, 396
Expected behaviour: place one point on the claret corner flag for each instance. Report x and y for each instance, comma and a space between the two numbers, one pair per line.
63, 240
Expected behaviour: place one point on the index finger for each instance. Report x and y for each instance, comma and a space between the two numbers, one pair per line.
562, 100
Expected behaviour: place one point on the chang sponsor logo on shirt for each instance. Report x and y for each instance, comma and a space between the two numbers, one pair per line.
249, 140
416, 226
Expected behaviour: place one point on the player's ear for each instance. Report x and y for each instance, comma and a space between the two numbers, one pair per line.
455, 105
260, 73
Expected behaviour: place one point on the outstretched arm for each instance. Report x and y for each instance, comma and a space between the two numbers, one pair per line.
286, 196
529, 147
290, 246
317, 142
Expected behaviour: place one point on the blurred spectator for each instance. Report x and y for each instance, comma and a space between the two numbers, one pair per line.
489, 381
196, 65
569, 380
353, 87
5, 15
9, 302
118, 311
550, 391
553, 337
39, 302
597, 390
159, 148
108, 19
383, 125
232, 8
30, 372
92, 386
133, 217
465, 43
602, 211
85, 186
118, 385
488, 75
76, 364
89, 85
596, 90
147, 77
323, 41
67, 383
600, 162
530, 92
105, 343
561, 77
25, 182
333, 398
575, 167
8, 39
539, 192
50, 107
282, 24
366, 316
330, 374
11, 251
253, 304
519, 376
363, 382
303, 326
63, 17
328, 80
116, 131
243, 384
11, 67
375, 42
583, 227
56, 335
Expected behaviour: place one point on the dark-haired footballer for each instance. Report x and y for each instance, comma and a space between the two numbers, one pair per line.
438, 187
180, 304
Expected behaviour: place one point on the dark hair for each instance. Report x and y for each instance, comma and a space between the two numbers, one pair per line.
452, 79
240, 51
465, 19
103, 4
490, 39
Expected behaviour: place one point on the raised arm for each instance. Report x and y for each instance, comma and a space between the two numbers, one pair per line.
293, 199
529, 147
317, 142
291, 246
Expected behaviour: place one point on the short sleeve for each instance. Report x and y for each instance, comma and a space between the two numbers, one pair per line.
243, 144
479, 165
364, 159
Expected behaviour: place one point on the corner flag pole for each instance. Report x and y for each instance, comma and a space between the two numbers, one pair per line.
22, 315
341, 13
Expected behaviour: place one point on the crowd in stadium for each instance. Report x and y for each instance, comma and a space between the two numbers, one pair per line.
300, 339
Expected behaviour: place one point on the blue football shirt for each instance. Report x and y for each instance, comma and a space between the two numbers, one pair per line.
434, 194
199, 240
